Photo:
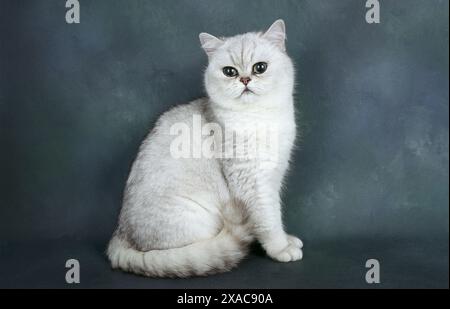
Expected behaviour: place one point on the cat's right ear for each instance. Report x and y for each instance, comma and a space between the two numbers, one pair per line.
209, 43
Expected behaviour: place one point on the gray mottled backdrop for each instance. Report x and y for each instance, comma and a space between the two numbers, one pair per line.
369, 180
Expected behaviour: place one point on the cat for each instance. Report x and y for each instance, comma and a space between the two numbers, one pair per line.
185, 217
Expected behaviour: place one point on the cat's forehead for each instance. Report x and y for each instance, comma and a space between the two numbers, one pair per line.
245, 49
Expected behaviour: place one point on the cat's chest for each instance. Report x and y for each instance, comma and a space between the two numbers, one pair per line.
279, 124
260, 133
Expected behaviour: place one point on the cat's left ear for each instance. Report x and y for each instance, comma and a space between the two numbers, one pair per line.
209, 43
277, 34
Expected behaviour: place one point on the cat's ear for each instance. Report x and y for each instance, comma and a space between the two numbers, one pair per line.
277, 34
209, 43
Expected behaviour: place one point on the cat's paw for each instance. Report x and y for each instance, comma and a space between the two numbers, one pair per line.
295, 241
289, 254
287, 248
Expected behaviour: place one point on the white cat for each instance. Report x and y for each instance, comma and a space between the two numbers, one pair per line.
196, 216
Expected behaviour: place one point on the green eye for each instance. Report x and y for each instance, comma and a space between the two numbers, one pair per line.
260, 67
230, 71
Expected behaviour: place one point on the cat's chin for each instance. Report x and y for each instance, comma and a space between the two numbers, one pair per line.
247, 99
247, 96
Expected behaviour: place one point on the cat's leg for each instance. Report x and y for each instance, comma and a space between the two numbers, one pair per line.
265, 213
259, 190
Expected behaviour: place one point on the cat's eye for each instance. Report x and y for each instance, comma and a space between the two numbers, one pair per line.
230, 71
260, 67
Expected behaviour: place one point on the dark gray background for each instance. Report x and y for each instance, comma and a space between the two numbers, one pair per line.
369, 180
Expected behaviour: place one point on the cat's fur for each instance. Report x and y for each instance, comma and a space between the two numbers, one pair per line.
191, 217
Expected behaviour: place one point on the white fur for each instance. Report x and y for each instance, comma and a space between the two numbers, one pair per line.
184, 217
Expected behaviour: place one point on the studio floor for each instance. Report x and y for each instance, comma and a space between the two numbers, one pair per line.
411, 263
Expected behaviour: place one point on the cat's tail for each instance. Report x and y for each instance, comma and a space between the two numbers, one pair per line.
216, 255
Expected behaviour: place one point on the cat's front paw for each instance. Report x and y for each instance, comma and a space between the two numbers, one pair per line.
291, 252
295, 241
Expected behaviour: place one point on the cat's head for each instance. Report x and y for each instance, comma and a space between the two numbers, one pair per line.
248, 69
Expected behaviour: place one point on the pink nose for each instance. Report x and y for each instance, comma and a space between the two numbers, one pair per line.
245, 80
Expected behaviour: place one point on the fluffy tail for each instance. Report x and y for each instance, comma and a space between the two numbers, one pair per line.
216, 255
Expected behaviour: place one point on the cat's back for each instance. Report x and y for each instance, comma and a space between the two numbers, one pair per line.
170, 122
181, 114
155, 157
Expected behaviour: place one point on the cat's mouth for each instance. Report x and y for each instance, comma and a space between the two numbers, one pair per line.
247, 91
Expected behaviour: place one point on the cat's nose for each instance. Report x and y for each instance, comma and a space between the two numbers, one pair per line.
245, 80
